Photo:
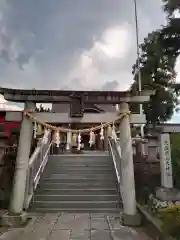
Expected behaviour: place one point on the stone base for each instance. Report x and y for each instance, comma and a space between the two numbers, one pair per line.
168, 194
10, 220
131, 220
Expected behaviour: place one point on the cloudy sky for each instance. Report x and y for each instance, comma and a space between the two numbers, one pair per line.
68, 44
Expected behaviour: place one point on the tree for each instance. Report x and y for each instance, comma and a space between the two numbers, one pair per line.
42, 109
171, 6
157, 62
158, 55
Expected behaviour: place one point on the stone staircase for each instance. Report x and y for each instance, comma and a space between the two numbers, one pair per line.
77, 183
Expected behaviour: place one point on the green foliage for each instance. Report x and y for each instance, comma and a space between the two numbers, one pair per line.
171, 222
158, 55
42, 109
175, 153
171, 5
157, 73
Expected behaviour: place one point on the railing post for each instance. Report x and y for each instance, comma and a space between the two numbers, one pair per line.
18, 192
27, 189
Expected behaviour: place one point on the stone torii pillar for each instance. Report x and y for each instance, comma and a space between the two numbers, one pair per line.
18, 193
130, 216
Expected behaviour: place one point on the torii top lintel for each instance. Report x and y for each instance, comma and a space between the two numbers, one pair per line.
53, 96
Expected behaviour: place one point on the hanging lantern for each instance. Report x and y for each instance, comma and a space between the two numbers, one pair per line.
109, 131
117, 107
39, 130
74, 139
35, 129
69, 136
102, 132
91, 139
114, 136
45, 137
57, 138
79, 142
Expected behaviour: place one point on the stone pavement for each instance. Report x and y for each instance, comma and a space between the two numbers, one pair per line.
66, 226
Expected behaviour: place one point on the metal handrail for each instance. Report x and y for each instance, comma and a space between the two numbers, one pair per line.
42, 166
114, 161
37, 163
115, 151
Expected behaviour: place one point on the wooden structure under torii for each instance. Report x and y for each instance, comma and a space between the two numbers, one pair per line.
77, 115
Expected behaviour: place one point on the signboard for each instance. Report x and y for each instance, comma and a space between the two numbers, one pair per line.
76, 106
165, 161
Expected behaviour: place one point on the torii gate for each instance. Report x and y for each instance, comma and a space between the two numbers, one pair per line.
31, 97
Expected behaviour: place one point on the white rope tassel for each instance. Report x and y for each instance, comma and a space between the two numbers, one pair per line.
57, 138
74, 140
114, 136
69, 136
35, 129
79, 142
45, 137
39, 130
102, 133
65, 130
91, 139
109, 131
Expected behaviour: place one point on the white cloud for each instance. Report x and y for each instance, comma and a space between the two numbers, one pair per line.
100, 64
2, 100
114, 42
9, 107
177, 14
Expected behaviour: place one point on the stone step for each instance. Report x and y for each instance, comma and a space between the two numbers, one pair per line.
79, 171
77, 191
76, 210
77, 183
80, 164
78, 180
76, 204
73, 160
82, 175
71, 185
63, 197
80, 167
101, 156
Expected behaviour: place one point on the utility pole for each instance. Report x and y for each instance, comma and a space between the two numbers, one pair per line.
138, 65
